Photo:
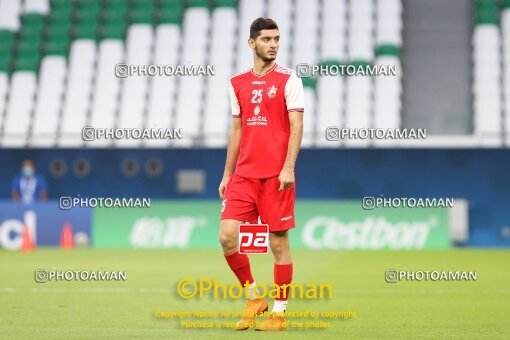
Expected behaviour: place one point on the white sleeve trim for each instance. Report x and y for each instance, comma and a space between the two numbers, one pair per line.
294, 93
236, 109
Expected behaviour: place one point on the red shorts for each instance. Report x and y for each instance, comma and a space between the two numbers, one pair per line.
246, 199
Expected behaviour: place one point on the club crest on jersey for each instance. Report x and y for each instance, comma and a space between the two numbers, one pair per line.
271, 92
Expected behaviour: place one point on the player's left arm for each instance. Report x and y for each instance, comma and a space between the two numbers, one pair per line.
286, 177
294, 100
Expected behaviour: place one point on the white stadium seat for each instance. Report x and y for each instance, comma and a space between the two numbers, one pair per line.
36, 6
4, 87
249, 10
361, 25
10, 11
134, 88
106, 89
191, 88
51, 108
334, 30
281, 12
486, 86
19, 109
305, 36
309, 120
79, 88
49, 101
162, 88
217, 104
330, 108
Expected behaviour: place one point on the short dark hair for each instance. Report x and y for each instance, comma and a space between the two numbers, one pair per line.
260, 24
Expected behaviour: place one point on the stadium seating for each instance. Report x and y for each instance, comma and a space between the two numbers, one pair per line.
487, 72
505, 30
58, 61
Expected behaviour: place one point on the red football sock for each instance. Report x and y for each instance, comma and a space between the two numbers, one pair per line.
240, 265
282, 276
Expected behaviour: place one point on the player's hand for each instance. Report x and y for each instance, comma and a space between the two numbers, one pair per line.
286, 178
223, 185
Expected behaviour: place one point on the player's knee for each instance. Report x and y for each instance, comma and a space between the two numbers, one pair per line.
279, 248
227, 240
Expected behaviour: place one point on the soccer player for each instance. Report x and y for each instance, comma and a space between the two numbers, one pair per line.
265, 137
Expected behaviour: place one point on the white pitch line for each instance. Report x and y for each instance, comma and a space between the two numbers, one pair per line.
85, 290
340, 291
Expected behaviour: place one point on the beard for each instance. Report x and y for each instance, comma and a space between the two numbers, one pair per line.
264, 57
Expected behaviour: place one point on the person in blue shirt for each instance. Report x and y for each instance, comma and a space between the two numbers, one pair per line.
28, 186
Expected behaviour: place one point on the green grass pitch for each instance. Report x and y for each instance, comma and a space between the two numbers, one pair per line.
126, 310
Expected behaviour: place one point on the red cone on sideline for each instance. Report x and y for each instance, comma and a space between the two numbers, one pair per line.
27, 244
66, 239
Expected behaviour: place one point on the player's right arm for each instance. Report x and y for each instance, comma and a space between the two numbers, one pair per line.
234, 142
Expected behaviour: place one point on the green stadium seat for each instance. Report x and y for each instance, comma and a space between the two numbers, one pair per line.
225, 3
6, 39
32, 20
86, 30
487, 15
28, 32
169, 18
59, 15
86, 14
61, 4
117, 4
143, 7
82, 4
113, 31
171, 3
28, 46
197, 3
486, 3
5, 61
5, 52
58, 39
141, 3
391, 50
60, 47
58, 31
5, 49
142, 16
171, 9
308, 82
114, 15
27, 63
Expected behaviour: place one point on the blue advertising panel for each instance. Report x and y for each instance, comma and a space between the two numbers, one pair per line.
44, 220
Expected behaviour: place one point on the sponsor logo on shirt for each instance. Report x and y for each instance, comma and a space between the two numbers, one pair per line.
271, 92
256, 82
257, 120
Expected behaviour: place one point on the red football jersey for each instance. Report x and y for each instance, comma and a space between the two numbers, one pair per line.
263, 103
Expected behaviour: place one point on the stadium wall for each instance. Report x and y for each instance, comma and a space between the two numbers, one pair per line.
478, 175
